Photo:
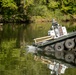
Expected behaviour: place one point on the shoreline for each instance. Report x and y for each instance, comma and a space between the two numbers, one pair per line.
64, 18
32, 21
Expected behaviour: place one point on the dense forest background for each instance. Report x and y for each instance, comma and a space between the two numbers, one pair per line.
24, 10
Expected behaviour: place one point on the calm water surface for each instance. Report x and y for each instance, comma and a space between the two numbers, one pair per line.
24, 34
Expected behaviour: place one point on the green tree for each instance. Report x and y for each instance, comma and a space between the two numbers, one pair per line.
8, 8
9, 4
37, 10
53, 4
68, 6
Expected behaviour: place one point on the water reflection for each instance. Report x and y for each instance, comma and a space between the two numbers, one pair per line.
25, 33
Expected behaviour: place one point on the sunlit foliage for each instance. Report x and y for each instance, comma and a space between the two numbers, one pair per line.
32, 8
9, 3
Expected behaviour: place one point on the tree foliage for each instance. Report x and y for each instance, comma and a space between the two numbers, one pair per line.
37, 10
53, 4
9, 4
68, 6
36, 7
28, 3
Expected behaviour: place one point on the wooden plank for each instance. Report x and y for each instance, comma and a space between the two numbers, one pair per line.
41, 39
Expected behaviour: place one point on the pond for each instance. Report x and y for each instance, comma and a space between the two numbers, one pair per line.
13, 58
24, 34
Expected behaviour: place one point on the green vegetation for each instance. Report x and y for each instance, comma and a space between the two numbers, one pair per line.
22, 10
15, 61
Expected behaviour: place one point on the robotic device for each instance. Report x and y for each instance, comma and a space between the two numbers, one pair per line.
57, 30
58, 43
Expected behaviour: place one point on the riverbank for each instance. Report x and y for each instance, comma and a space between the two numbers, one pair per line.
23, 11
48, 18
20, 18
64, 18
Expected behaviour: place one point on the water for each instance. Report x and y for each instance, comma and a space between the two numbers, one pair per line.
31, 49
24, 34
15, 36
